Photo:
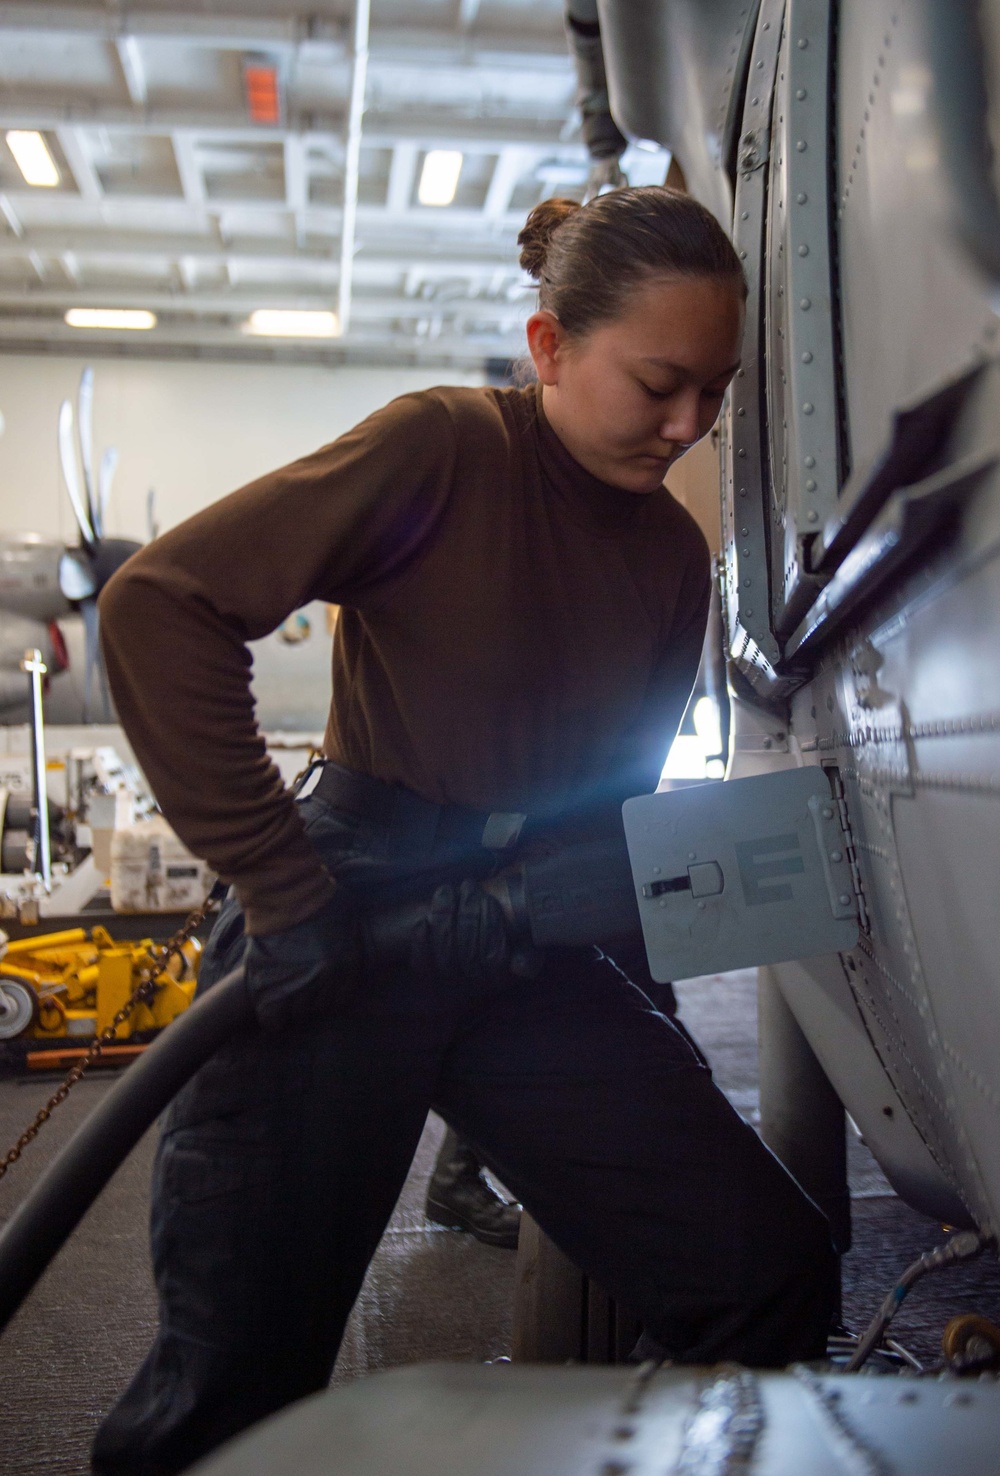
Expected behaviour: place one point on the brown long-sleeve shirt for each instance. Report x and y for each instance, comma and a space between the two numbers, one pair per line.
514, 631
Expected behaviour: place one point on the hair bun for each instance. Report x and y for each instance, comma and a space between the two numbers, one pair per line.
538, 231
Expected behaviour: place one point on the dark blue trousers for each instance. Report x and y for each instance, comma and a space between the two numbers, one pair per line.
282, 1160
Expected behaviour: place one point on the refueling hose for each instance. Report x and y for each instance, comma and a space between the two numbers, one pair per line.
68, 1187
578, 894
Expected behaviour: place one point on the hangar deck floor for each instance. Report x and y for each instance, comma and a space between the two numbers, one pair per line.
430, 1293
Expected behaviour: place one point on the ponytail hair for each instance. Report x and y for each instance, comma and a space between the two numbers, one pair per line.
588, 259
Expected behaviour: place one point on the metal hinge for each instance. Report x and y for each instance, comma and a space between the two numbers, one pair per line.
850, 848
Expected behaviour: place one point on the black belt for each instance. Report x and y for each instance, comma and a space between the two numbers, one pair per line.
411, 822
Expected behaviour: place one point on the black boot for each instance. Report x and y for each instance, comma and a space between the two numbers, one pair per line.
459, 1196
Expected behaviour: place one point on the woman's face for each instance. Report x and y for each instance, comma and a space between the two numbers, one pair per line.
631, 396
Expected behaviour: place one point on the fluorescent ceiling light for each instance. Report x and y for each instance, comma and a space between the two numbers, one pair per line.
110, 318
31, 154
292, 323
439, 177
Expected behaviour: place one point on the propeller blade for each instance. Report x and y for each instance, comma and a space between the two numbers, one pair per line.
85, 430
152, 525
109, 465
67, 458
88, 609
93, 662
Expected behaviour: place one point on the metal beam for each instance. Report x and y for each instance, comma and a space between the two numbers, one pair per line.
401, 172
352, 160
21, 334
220, 30
133, 68
188, 167
10, 215
455, 259
180, 307
510, 166
467, 236
296, 176
426, 129
81, 165
207, 29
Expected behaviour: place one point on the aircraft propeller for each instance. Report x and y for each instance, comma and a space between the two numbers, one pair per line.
84, 570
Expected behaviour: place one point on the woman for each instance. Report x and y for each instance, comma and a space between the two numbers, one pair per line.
523, 611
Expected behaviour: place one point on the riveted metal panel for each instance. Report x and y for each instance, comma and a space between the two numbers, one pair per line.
745, 479
896, 652
445, 1419
675, 74
802, 380
914, 316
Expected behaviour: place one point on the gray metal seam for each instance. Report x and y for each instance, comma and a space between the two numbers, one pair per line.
873, 97
746, 562
934, 1038
814, 476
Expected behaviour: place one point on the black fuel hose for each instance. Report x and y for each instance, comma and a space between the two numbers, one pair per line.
579, 894
68, 1187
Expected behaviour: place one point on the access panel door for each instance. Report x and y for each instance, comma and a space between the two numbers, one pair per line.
753, 871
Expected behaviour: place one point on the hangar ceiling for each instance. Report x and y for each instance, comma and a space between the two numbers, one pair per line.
171, 197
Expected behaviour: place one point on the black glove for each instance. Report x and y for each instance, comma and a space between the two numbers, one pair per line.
464, 935
305, 972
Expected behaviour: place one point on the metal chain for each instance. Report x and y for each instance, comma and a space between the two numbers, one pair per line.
157, 956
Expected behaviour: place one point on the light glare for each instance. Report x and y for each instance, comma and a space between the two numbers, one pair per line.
32, 157
696, 755
290, 323
439, 177
133, 318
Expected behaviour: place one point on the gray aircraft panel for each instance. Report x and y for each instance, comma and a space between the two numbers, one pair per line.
516, 1420
896, 687
953, 911
743, 454
674, 75
898, 248
754, 871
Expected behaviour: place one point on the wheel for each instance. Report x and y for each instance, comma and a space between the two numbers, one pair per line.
971, 1342
18, 1007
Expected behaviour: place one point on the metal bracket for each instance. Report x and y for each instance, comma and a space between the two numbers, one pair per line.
755, 149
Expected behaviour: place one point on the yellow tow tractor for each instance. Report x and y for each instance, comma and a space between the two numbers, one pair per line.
60, 990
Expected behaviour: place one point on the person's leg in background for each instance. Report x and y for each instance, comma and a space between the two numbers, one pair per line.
599, 1115
460, 1197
